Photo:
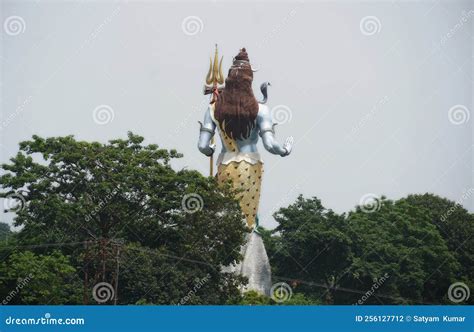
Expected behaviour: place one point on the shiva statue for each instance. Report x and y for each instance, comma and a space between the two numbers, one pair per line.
240, 120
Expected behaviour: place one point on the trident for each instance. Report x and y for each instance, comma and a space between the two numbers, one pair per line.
214, 81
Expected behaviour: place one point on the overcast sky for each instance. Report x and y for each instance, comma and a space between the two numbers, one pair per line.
378, 95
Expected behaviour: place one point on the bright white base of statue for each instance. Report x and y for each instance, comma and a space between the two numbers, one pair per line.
255, 265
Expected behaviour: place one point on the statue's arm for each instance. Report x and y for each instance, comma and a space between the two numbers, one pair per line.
267, 132
207, 129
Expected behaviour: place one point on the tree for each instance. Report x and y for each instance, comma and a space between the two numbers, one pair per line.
313, 244
93, 212
301, 299
39, 279
5, 231
151, 276
397, 241
456, 226
391, 254
125, 191
254, 298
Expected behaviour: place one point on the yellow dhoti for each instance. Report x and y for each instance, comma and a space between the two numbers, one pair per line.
245, 175
244, 171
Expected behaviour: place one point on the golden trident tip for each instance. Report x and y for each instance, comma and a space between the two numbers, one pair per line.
215, 75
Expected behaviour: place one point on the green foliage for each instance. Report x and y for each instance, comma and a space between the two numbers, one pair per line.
149, 276
125, 190
313, 244
126, 200
5, 232
301, 299
337, 258
254, 298
400, 240
40, 279
456, 225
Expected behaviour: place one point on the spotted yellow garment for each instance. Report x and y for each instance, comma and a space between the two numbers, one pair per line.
229, 143
247, 179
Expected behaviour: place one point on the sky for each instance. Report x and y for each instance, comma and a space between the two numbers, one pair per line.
378, 95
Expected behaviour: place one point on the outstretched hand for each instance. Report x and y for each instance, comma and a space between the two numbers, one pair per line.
288, 146
213, 147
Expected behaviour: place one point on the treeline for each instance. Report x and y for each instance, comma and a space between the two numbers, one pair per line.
409, 251
115, 223
115, 213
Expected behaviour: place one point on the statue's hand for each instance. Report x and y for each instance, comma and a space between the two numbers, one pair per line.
213, 147
288, 146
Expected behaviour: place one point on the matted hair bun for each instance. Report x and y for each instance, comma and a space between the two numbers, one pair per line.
242, 55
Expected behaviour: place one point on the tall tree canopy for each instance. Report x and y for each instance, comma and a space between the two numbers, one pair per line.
394, 248
127, 192
91, 212
313, 245
456, 226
